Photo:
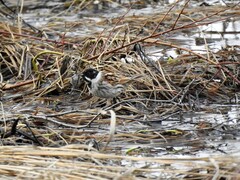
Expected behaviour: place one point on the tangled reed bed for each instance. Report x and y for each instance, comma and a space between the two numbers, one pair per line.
74, 161
45, 102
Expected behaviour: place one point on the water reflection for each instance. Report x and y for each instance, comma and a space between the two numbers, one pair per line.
220, 34
216, 36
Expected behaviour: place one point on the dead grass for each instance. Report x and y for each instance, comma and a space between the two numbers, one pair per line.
75, 161
53, 129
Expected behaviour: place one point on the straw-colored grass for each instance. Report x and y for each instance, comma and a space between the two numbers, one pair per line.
74, 161
52, 128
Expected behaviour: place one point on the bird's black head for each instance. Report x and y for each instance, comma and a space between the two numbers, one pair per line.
91, 75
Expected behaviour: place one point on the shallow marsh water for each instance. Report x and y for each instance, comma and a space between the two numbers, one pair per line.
217, 36
213, 37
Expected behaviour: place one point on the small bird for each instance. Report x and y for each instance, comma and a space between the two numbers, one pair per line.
101, 88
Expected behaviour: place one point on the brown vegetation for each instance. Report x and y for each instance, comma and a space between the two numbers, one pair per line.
44, 101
